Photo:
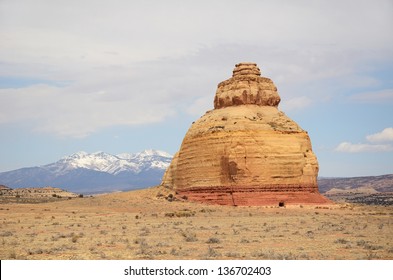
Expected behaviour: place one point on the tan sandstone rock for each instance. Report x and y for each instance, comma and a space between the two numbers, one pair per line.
245, 151
246, 87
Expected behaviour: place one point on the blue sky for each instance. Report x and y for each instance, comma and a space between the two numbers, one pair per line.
124, 76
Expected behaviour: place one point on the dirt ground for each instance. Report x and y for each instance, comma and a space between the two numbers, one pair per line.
144, 225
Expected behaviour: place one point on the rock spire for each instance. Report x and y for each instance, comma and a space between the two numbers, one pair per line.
245, 151
246, 87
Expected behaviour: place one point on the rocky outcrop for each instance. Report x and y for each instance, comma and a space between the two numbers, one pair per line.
246, 87
34, 195
169, 176
245, 151
3, 187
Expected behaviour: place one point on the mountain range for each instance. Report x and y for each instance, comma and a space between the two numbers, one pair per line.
99, 172
96, 172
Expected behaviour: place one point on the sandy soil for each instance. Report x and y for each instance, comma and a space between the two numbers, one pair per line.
144, 225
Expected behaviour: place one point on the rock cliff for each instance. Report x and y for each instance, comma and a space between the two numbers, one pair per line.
246, 151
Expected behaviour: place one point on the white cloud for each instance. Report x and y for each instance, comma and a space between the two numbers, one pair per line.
138, 62
200, 106
77, 110
295, 103
348, 147
385, 135
381, 96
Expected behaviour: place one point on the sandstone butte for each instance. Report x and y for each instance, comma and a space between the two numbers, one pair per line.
245, 151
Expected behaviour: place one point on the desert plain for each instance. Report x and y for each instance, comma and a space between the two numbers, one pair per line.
147, 224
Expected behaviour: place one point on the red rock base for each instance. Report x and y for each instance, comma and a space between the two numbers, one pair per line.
257, 198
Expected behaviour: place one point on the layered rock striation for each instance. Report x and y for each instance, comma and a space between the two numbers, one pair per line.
245, 151
246, 87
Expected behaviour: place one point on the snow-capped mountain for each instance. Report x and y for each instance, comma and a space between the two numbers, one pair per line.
95, 172
112, 164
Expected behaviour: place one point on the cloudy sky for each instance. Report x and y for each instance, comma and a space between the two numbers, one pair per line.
124, 76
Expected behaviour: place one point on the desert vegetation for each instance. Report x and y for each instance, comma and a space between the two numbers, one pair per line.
150, 224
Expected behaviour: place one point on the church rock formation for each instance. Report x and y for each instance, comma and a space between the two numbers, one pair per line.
245, 151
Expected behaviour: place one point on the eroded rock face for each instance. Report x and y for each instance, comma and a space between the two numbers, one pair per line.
245, 151
246, 87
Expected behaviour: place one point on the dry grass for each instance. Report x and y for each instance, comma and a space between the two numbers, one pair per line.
140, 225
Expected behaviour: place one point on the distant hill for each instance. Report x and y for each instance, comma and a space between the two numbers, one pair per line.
372, 190
34, 195
93, 173
383, 183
